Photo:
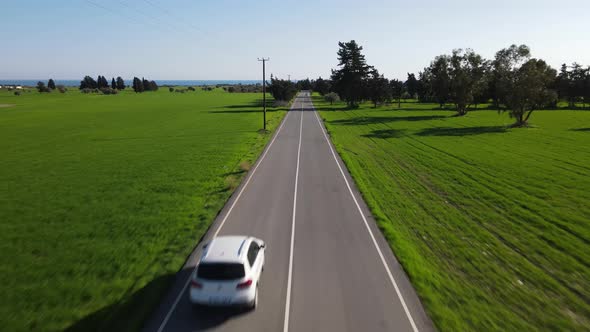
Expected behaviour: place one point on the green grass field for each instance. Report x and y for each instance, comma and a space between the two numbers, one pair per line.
492, 224
102, 198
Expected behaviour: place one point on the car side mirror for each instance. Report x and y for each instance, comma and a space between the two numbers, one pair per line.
263, 245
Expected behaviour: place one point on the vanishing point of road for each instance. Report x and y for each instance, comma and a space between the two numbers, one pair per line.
328, 267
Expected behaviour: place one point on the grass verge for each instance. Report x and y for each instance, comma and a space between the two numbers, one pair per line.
104, 197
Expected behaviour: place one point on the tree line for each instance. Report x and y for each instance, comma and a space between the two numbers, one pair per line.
102, 84
512, 82
41, 87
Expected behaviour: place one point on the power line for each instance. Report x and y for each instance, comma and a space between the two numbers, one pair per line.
120, 14
149, 16
167, 12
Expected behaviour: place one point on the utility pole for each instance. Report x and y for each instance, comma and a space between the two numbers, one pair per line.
264, 90
289, 77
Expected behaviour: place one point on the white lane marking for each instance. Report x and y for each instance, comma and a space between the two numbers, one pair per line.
165, 321
399, 294
289, 277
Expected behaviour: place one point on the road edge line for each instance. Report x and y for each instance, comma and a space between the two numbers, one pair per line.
391, 278
250, 176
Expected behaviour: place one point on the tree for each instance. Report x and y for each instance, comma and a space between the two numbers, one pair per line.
153, 86
439, 80
321, 86
120, 83
41, 87
102, 82
137, 85
304, 84
505, 61
349, 79
564, 86
51, 84
397, 88
466, 72
587, 86
332, 97
526, 88
88, 83
411, 85
378, 90
113, 84
282, 89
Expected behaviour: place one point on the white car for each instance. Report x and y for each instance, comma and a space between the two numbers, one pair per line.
228, 272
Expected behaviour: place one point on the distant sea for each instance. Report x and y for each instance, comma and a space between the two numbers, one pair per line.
128, 82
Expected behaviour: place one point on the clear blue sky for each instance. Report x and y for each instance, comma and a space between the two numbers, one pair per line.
221, 39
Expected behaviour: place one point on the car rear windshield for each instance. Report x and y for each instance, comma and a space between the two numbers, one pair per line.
220, 271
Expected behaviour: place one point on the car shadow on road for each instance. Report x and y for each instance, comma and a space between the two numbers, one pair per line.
208, 317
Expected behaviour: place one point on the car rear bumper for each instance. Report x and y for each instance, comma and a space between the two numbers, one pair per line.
241, 298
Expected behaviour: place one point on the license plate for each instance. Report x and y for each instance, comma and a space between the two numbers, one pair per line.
219, 300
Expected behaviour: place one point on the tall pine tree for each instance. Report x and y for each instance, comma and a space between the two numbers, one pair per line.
120, 83
348, 81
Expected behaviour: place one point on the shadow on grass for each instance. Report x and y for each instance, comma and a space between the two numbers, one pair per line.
258, 110
256, 103
129, 313
141, 310
366, 120
464, 131
581, 129
386, 133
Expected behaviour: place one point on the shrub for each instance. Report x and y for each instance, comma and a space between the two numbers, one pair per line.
231, 182
245, 166
42, 88
190, 88
231, 89
332, 97
109, 91
61, 88
171, 89
86, 90
17, 93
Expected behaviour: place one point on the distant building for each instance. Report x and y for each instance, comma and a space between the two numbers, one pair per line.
19, 87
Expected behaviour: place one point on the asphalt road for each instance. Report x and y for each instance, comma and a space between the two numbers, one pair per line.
328, 268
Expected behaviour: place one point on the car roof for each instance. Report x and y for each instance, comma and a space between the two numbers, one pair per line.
226, 249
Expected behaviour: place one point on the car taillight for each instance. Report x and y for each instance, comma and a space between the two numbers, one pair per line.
196, 284
245, 284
